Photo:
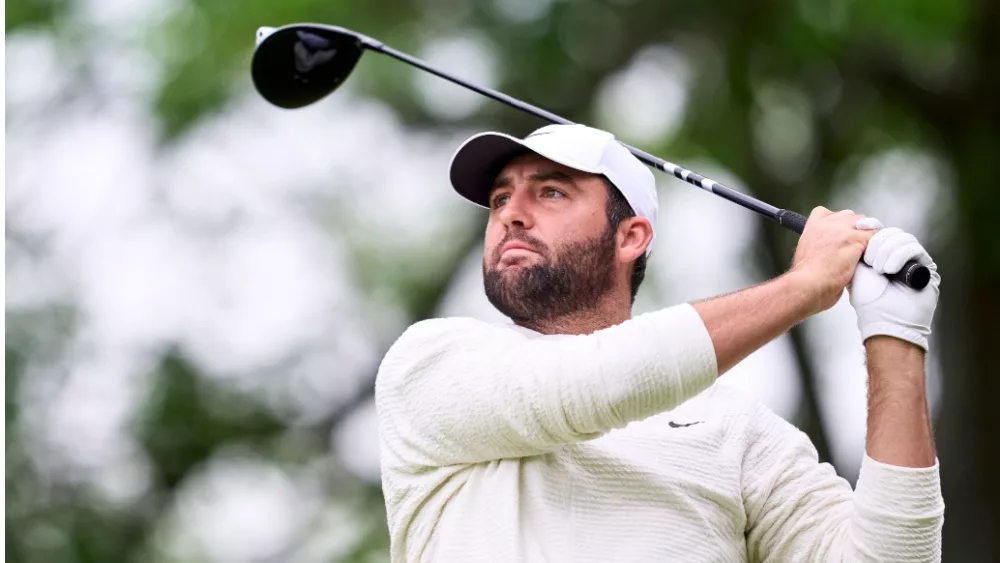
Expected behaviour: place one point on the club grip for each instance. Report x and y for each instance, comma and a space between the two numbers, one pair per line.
913, 273
792, 221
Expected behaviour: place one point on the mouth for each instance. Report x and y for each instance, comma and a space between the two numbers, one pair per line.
517, 246
515, 253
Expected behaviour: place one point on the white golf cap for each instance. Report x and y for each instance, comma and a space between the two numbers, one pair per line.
477, 162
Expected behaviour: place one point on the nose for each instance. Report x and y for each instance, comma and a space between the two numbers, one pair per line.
517, 211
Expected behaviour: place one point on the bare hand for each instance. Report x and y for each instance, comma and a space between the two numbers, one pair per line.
828, 253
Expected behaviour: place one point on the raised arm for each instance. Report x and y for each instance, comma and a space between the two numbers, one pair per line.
458, 391
798, 509
825, 260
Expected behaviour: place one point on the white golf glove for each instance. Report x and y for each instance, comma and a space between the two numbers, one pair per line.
890, 308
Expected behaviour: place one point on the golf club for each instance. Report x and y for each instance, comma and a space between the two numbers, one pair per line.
299, 64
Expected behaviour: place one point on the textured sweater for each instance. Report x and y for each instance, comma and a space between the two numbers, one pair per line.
501, 444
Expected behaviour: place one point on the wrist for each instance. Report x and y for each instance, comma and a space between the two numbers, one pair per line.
892, 359
896, 333
802, 291
891, 349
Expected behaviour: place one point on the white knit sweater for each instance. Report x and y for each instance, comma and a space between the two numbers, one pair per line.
500, 444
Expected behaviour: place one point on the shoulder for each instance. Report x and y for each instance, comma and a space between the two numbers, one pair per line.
439, 332
435, 341
432, 328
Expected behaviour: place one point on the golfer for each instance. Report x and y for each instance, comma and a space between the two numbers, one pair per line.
578, 432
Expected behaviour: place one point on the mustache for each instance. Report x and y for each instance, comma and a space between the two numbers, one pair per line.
519, 236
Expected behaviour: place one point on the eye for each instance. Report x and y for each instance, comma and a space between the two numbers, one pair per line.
498, 200
551, 192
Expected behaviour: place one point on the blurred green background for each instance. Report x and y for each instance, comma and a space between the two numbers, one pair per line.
200, 286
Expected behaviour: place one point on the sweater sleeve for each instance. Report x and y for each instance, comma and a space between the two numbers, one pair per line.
799, 509
456, 391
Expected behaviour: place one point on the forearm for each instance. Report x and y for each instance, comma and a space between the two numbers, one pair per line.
740, 323
899, 428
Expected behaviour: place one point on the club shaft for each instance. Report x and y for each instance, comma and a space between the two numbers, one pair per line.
913, 274
688, 176
498, 96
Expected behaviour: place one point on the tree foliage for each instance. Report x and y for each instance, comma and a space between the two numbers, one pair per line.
867, 77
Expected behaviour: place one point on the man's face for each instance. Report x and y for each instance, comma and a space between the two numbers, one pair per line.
549, 250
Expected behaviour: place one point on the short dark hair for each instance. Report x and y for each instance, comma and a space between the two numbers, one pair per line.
616, 211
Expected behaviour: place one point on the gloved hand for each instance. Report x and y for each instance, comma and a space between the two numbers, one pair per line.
889, 308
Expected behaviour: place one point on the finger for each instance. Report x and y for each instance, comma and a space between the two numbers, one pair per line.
889, 244
876, 242
846, 215
863, 237
847, 218
869, 224
866, 285
819, 212
900, 256
890, 247
925, 259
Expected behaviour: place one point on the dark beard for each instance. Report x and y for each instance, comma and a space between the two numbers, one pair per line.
575, 280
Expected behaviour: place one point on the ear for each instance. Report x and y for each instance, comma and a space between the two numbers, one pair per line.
634, 236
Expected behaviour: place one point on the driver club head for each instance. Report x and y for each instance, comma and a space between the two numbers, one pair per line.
296, 65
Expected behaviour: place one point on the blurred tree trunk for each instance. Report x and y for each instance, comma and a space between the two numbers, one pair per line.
774, 255
969, 428
966, 119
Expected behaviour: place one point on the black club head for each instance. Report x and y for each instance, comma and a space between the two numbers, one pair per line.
296, 65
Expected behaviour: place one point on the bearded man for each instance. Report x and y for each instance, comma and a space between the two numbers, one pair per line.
578, 432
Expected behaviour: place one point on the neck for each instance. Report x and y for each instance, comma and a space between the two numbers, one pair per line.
608, 313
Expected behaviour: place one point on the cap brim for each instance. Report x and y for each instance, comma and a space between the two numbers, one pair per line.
477, 162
